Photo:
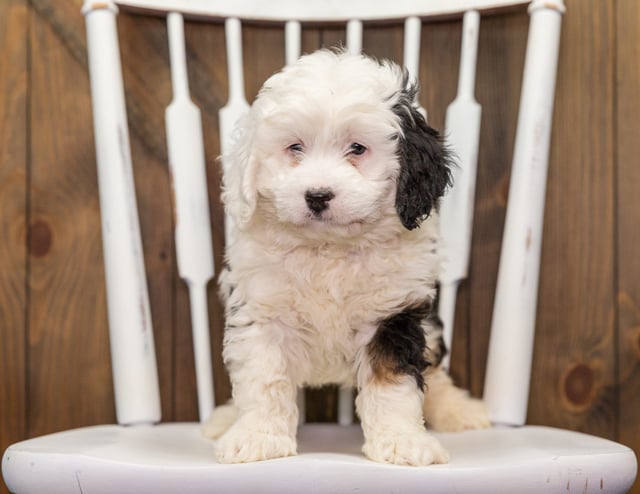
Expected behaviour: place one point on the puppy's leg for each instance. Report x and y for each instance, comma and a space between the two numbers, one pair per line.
390, 368
448, 408
263, 392
390, 410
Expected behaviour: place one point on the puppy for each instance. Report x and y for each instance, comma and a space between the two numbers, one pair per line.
332, 188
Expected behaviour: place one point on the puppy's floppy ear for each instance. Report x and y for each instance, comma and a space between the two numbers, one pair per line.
239, 193
424, 161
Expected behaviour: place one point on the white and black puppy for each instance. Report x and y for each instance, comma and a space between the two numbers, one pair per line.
329, 279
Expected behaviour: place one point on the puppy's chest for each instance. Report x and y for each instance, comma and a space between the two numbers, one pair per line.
334, 294
331, 286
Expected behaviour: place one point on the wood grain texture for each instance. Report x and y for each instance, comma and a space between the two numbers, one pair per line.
573, 382
13, 217
69, 372
628, 220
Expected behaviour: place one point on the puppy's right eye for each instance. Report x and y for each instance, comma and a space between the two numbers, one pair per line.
296, 148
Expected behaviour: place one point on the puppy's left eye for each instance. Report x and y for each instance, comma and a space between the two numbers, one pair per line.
357, 149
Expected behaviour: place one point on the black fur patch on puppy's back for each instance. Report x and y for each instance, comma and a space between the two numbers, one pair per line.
424, 161
406, 343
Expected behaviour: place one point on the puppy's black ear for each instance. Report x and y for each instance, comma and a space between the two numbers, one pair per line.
424, 159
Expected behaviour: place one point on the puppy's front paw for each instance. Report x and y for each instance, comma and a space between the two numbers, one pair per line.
417, 449
243, 445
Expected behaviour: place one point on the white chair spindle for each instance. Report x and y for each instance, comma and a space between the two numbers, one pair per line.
354, 36
462, 129
292, 38
135, 375
411, 52
412, 32
345, 406
194, 248
237, 104
506, 389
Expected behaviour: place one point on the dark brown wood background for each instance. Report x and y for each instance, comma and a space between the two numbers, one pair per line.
54, 355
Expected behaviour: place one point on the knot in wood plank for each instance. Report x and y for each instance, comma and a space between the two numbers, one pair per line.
40, 238
579, 384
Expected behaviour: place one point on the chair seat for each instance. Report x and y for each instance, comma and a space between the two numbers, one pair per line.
175, 458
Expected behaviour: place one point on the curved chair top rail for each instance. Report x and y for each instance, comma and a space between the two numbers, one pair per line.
320, 11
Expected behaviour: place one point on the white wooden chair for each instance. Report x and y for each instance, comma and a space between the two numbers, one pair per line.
141, 456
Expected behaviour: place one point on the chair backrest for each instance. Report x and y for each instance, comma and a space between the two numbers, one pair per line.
133, 357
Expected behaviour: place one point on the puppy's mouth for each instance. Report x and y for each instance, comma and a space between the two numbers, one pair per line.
329, 219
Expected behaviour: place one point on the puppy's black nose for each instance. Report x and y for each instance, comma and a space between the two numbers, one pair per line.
318, 199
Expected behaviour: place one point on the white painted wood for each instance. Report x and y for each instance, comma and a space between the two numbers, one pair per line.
175, 458
447, 296
133, 356
412, 34
345, 406
354, 36
302, 406
506, 388
319, 10
292, 40
411, 53
201, 348
237, 104
194, 248
462, 128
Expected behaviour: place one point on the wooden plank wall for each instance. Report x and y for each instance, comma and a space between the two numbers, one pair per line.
14, 30
627, 203
54, 356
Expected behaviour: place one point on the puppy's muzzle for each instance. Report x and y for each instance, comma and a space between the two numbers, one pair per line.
318, 199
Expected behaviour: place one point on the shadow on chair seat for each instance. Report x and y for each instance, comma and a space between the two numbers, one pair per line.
138, 460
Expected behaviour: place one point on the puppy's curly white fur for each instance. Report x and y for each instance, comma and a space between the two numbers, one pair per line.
329, 279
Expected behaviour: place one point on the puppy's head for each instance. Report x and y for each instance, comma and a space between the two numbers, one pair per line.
335, 144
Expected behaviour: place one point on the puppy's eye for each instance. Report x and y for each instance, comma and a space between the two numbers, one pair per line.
296, 148
357, 149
